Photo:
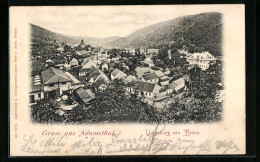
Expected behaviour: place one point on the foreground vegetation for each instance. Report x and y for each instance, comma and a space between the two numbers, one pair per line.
114, 105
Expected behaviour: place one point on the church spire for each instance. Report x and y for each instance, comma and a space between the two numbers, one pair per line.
82, 44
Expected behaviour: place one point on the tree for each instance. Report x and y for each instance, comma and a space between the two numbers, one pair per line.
172, 44
163, 53
67, 48
209, 83
184, 110
114, 105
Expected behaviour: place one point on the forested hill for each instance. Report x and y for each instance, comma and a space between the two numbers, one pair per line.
196, 32
39, 33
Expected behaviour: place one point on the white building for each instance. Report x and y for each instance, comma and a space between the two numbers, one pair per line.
75, 82
97, 77
176, 85
81, 52
55, 82
142, 70
88, 63
144, 89
150, 78
74, 62
164, 80
184, 52
83, 72
151, 51
130, 78
118, 74
159, 73
203, 60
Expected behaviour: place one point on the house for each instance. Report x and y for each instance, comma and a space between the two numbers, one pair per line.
176, 85
184, 52
83, 72
125, 67
115, 59
36, 92
150, 78
152, 51
92, 74
130, 50
101, 58
100, 81
88, 63
98, 62
75, 46
148, 61
203, 60
67, 65
149, 52
167, 72
83, 96
74, 62
82, 53
164, 80
75, 82
104, 66
60, 49
104, 54
55, 82
143, 89
118, 74
49, 64
96, 77
59, 62
141, 70
159, 73
49, 61
130, 78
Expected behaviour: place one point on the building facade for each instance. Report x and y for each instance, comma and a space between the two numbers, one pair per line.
203, 60
55, 82
150, 78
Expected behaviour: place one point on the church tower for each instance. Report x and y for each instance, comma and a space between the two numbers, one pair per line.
194, 73
82, 44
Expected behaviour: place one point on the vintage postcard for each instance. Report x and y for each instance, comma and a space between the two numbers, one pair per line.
127, 80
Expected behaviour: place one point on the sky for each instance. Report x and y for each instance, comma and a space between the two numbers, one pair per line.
107, 21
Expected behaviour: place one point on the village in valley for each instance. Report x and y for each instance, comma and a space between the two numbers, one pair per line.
81, 83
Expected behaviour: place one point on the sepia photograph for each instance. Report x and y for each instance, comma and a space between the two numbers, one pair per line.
164, 69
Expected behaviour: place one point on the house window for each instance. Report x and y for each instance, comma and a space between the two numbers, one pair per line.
32, 99
51, 85
39, 95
